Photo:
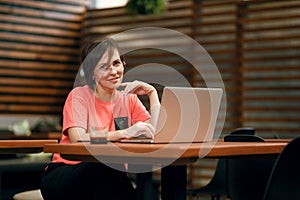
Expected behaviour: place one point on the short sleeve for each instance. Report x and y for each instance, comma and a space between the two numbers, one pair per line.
75, 112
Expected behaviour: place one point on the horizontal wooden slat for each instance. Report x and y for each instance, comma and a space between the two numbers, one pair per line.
290, 132
107, 30
38, 39
268, 98
221, 22
39, 22
271, 39
266, 6
34, 74
273, 58
274, 109
265, 48
110, 21
46, 5
279, 77
31, 99
271, 30
273, 120
39, 30
216, 4
33, 91
30, 109
283, 67
37, 56
215, 13
270, 18
39, 48
35, 82
10, 10
37, 65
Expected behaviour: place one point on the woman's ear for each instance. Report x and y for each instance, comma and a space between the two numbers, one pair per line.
124, 63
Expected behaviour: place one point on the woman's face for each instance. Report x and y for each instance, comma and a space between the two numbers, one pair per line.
108, 73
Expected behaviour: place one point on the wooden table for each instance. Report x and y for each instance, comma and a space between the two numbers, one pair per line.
23, 146
173, 177
33, 136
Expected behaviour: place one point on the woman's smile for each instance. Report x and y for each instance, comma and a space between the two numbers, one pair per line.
114, 80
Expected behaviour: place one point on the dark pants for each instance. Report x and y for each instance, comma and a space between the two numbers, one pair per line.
85, 181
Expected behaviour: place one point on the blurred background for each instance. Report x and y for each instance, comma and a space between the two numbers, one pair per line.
254, 44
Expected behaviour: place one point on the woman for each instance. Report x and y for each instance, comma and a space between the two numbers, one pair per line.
99, 103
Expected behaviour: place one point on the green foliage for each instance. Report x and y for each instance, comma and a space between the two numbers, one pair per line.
146, 7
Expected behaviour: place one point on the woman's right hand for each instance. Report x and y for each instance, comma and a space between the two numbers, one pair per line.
137, 87
138, 129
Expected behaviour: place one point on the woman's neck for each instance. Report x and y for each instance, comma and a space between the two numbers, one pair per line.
103, 95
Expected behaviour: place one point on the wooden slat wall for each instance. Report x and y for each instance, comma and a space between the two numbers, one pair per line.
39, 54
215, 28
215, 25
271, 69
254, 44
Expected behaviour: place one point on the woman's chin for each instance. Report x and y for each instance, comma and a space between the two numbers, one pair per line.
114, 86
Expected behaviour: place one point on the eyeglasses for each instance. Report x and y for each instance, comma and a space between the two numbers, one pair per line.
117, 65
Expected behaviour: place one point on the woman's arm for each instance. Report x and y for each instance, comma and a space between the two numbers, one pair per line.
140, 128
142, 88
154, 107
78, 134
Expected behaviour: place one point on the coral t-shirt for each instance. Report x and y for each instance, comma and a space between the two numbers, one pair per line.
83, 109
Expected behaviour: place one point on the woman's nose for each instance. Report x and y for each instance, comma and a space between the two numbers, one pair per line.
113, 70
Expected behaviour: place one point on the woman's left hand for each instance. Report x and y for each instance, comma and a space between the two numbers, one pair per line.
137, 87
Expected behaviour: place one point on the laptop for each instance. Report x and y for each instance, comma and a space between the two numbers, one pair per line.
187, 114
